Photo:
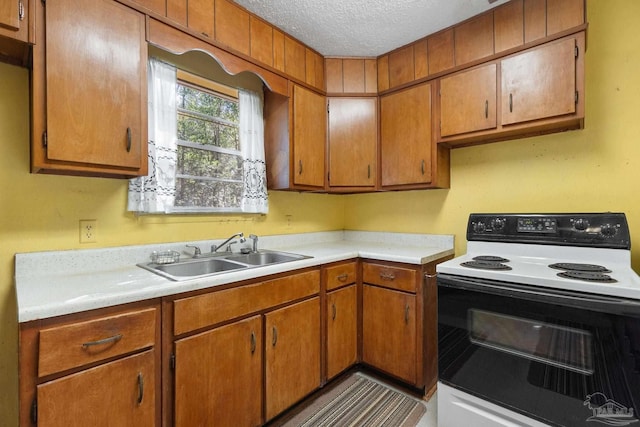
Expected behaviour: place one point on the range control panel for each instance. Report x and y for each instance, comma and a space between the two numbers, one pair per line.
606, 230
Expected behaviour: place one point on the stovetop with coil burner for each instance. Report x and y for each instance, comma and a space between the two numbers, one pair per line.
582, 252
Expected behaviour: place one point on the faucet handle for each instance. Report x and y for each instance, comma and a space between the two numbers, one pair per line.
255, 242
197, 252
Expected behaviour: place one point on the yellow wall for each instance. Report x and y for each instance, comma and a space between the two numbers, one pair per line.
595, 169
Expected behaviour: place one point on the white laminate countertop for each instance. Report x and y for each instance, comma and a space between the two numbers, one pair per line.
56, 283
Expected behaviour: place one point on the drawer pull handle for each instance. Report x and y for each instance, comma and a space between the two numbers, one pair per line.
343, 277
486, 109
300, 167
511, 103
253, 342
140, 388
111, 340
387, 275
368, 171
333, 311
274, 340
422, 167
406, 314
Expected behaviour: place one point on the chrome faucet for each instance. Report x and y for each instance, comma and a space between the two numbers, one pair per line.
196, 252
215, 248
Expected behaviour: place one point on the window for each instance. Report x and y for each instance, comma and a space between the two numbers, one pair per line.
206, 148
209, 162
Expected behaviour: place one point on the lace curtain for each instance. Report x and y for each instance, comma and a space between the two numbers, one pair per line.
155, 193
254, 197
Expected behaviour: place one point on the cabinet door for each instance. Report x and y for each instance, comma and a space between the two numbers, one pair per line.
200, 17
309, 137
539, 83
119, 393
406, 140
292, 354
10, 14
468, 101
352, 142
218, 376
389, 332
342, 330
96, 83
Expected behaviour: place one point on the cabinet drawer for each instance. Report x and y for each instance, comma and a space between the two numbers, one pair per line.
77, 344
402, 279
340, 275
208, 309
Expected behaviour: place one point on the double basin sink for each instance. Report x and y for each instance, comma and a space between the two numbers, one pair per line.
210, 265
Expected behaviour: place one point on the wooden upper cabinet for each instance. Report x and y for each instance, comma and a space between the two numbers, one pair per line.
294, 58
564, 14
421, 59
10, 14
352, 142
539, 83
155, 6
468, 101
314, 69
535, 20
401, 66
278, 49
177, 11
383, 73
508, 21
405, 136
334, 75
309, 137
371, 76
232, 26
441, 52
95, 122
352, 75
261, 41
201, 17
474, 39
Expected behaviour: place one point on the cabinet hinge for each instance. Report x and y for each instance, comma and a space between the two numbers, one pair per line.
172, 361
577, 51
577, 97
34, 411
44, 139
21, 10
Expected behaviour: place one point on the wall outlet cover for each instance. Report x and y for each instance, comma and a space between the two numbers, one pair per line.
88, 231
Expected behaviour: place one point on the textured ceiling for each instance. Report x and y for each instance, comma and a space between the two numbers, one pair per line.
363, 27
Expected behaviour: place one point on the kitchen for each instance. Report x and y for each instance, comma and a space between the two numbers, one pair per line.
594, 169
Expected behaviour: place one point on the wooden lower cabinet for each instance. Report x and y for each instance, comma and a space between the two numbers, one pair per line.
389, 332
342, 330
118, 393
292, 353
218, 376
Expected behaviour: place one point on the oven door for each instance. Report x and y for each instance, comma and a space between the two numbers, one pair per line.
560, 357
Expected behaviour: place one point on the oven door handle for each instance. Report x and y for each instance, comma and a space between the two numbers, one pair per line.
602, 303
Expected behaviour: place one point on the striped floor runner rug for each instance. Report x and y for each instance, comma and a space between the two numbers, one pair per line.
360, 402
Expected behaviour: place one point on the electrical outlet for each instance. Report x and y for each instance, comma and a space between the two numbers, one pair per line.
88, 231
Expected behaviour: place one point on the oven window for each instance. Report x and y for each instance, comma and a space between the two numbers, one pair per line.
552, 344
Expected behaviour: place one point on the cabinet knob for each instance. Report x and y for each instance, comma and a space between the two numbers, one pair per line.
511, 103
486, 109
422, 167
274, 338
406, 314
333, 311
368, 171
300, 167
253, 342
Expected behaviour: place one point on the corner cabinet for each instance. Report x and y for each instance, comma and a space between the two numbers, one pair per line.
353, 144
89, 89
539, 90
91, 369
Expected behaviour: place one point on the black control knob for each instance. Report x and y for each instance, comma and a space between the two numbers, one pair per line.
479, 227
608, 230
498, 224
580, 224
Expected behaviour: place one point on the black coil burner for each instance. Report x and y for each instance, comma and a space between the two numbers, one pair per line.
588, 276
570, 266
490, 258
485, 265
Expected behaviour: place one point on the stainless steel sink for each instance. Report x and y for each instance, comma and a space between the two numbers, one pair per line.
265, 258
219, 263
